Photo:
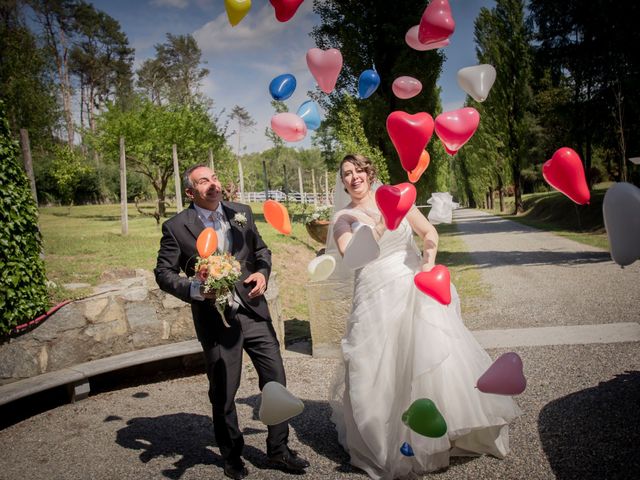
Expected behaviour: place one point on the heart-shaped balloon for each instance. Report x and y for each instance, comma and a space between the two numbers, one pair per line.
621, 213
362, 248
504, 376
289, 126
406, 87
207, 242
415, 174
436, 283
456, 127
321, 267
437, 23
282, 87
411, 37
285, 9
277, 216
394, 202
406, 450
309, 113
410, 135
423, 417
325, 66
477, 80
236, 10
278, 404
368, 83
565, 172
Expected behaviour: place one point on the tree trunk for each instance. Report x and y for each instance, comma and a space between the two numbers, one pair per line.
28, 164
501, 194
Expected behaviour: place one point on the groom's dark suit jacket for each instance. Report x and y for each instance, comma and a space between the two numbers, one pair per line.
178, 253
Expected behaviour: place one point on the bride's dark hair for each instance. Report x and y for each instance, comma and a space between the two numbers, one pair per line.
362, 162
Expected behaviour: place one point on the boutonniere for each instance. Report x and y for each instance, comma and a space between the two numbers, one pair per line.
240, 219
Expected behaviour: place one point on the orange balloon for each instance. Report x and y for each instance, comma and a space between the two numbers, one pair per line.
277, 215
207, 242
423, 163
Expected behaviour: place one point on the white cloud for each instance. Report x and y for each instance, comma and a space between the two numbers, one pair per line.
170, 3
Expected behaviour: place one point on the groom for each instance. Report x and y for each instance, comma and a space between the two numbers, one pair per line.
250, 323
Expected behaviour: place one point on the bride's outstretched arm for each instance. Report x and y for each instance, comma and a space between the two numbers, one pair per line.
342, 230
428, 234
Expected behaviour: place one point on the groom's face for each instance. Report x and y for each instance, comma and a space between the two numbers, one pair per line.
206, 190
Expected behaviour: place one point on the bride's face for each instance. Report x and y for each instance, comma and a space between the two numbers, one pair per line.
355, 180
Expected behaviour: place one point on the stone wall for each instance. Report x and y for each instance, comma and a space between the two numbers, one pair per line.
329, 306
123, 315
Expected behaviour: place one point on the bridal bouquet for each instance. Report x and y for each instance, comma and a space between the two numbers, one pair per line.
218, 273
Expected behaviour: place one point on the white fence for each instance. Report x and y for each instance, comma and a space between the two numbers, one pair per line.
319, 199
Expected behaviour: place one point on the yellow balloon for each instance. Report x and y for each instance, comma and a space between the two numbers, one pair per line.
236, 10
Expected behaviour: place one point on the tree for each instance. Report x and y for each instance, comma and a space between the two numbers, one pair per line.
174, 75
23, 293
506, 110
150, 130
67, 172
245, 122
369, 37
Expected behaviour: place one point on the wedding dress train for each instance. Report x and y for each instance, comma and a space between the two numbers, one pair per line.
401, 345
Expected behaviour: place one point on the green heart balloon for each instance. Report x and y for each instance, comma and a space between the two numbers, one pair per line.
424, 418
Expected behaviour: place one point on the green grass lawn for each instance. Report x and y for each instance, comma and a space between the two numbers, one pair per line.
554, 212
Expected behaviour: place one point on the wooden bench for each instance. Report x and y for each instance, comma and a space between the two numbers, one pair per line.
77, 377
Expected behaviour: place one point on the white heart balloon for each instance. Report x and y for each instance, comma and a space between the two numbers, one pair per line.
477, 80
621, 213
362, 248
321, 267
278, 404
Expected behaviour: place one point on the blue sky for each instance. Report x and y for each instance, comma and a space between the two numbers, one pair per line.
242, 60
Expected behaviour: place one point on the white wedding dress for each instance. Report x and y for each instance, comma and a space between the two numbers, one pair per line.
401, 345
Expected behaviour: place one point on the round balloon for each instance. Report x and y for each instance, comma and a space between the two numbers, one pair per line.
277, 216
282, 87
207, 242
309, 113
621, 213
289, 126
368, 83
406, 87
321, 267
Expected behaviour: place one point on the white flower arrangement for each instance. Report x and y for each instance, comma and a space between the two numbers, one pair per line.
240, 219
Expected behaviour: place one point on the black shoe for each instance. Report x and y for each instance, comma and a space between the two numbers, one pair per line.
235, 469
289, 460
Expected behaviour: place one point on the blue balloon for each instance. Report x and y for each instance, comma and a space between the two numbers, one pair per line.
283, 86
308, 112
406, 450
368, 83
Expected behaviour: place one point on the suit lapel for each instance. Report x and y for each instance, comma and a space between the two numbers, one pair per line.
192, 222
236, 233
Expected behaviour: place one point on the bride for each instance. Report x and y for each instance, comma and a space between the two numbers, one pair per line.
400, 345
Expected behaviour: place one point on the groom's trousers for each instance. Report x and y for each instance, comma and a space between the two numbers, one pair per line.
223, 362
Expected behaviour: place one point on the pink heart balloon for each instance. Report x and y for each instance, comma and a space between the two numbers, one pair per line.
394, 202
325, 66
406, 87
437, 23
410, 135
411, 37
456, 127
504, 376
285, 9
565, 173
289, 126
436, 283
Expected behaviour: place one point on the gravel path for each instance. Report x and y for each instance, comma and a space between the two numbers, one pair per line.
581, 418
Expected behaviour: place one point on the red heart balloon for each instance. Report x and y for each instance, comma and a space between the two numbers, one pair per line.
565, 173
394, 201
435, 283
437, 23
285, 9
410, 135
456, 127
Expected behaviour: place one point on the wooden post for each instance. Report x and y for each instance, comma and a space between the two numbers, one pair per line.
124, 218
266, 179
28, 164
301, 185
211, 165
313, 182
326, 187
176, 177
241, 175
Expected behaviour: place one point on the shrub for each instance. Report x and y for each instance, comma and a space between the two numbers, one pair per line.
23, 292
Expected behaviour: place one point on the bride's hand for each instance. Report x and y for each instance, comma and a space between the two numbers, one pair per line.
426, 267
